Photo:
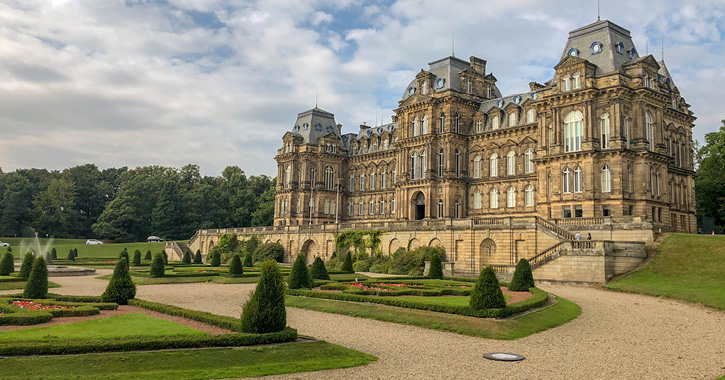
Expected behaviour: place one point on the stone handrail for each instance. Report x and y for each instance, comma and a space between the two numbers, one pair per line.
546, 255
175, 248
503, 268
487, 221
578, 221
564, 234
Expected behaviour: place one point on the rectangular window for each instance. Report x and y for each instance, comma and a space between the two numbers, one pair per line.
566, 211
352, 209
392, 206
362, 208
606, 211
578, 212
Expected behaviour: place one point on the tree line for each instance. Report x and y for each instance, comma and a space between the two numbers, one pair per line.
710, 179
125, 204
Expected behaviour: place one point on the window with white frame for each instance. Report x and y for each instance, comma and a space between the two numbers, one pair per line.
287, 175
566, 83
395, 178
372, 207
566, 181
606, 179
423, 163
489, 92
493, 198
630, 178
362, 208
529, 196
494, 123
383, 179
372, 181
512, 119
441, 163
392, 206
424, 125
479, 126
604, 128
469, 86
414, 165
382, 206
440, 208
529, 160
578, 178
352, 182
625, 131
511, 163
573, 131
477, 199
385, 143
424, 88
530, 116
416, 130
477, 167
576, 81
352, 209
511, 197
457, 123
362, 182
457, 209
442, 123
329, 179
457, 163
649, 131
493, 163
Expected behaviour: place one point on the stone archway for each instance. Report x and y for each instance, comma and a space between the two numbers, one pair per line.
310, 250
211, 246
486, 252
418, 205
393, 246
413, 243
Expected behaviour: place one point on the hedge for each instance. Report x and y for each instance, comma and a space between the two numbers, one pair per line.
538, 298
14, 315
398, 292
224, 322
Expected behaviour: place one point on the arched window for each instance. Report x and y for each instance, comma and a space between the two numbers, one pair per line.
530, 116
313, 177
477, 199
424, 88
493, 170
511, 197
494, 123
493, 198
529, 196
479, 126
681, 194
361, 209
385, 144
566, 83
440, 208
423, 163
578, 178
511, 163
457, 163
414, 165
512, 119
566, 180
457, 123
606, 179
604, 126
416, 130
573, 131
649, 131
424, 126
362, 182
375, 146
457, 209
529, 160
477, 167
329, 179
469, 86
576, 81
441, 163
383, 179
382, 206
442, 123
287, 176
372, 181
630, 178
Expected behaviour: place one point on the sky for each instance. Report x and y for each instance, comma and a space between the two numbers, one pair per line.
218, 82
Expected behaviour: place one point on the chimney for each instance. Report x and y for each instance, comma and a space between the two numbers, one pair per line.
478, 65
339, 128
364, 126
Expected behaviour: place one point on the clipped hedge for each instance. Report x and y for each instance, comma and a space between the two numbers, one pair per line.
14, 315
224, 322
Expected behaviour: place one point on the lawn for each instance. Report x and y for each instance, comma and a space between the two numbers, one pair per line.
561, 312
119, 326
62, 246
12, 285
687, 267
188, 364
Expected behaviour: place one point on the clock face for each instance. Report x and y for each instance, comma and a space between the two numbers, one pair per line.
440, 83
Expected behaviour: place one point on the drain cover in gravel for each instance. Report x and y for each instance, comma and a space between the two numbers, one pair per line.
503, 356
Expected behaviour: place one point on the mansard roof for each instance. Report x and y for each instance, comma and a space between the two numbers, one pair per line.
376, 131
610, 56
503, 102
315, 123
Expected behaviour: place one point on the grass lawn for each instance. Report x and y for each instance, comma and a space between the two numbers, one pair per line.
187, 364
62, 246
687, 267
21, 285
118, 326
563, 311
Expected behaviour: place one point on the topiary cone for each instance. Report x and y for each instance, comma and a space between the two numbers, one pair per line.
264, 311
27, 266
347, 264
436, 267
197, 257
299, 277
137, 257
187, 257
487, 292
7, 265
37, 285
121, 287
248, 260
235, 267
319, 271
147, 256
157, 266
523, 278
216, 259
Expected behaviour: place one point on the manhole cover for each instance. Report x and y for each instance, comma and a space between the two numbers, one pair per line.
503, 356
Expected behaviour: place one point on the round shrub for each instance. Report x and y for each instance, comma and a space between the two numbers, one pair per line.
53, 254
187, 257
216, 259
71, 255
248, 260
27, 266
487, 292
319, 272
37, 285
523, 278
197, 257
361, 266
347, 264
157, 266
121, 287
137, 257
436, 267
270, 251
7, 265
147, 256
299, 277
124, 255
235, 267
264, 311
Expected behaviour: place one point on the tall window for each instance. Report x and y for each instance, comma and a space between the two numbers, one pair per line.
352, 209
423, 163
392, 206
457, 163
576, 81
630, 178
566, 83
604, 127
489, 93
287, 175
329, 179
375, 146
442, 123
477, 199
352, 182
625, 131
529, 160
479, 126
566, 181
657, 182
372, 181
441, 163
440, 208
578, 179
414, 165
573, 131
511, 197
313, 177
382, 206
494, 122
469, 86
395, 178
416, 130
649, 131
529, 196
493, 170
372, 207
606, 179
512, 119
361, 209
511, 163
424, 88
424, 125
457, 123
477, 167
383, 179
530, 116
548, 184
362, 182
493, 198
457, 209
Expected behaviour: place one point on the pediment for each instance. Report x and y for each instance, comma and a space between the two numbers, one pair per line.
568, 61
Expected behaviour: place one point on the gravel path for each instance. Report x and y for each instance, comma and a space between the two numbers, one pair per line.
618, 336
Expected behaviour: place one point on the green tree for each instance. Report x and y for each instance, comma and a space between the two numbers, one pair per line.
92, 191
187, 257
487, 292
137, 257
27, 266
197, 257
436, 267
235, 267
264, 311
299, 277
248, 260
54, 253
15, 204
37, 284
252, 244
264, 214
216, 258
319, 271
157, 266
347, 264
71, 255
7, 265
121, 287
709, 180
124, 255
523, 279
270, 251
147, 256
166, 216
54, 212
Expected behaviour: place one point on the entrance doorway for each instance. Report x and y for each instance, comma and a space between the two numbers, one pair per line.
419, 206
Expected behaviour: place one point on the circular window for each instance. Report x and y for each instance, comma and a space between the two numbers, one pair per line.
573, 52
318, 127
440, 83
517, 99
596, 48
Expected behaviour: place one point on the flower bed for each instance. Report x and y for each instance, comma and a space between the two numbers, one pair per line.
19, 311
424, 288
38, 306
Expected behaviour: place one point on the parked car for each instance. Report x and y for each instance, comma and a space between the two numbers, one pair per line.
93, 242
153, 238
4, 244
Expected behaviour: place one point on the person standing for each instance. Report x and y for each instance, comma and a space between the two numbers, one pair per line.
578, 236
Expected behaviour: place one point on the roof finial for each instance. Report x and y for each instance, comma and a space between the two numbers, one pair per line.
599, 11
315, 98
663, 48
453, 45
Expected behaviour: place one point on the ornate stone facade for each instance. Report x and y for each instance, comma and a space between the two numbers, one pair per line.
608, 136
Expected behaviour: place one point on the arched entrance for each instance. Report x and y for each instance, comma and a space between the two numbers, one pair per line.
419, 206
486, 252
309, 249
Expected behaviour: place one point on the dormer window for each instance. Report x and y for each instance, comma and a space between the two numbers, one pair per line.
596, 48
576, 81
512, 119
469, 86
479, 126
566, 83
488, 92
573, 52
494, 122
619, 47
530, 116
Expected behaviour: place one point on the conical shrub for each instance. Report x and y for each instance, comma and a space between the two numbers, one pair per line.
147, 256
7, 265
187, 257
75, 253
53, 254
71, 255
216, 259
299, 277
124, 255
248, 260
48, 258
137, 257
197, 257
235, 267
166, 257
347, 264
436, 267
487, 292
121, 287
37, 285
523, 278
27, 266
264, 311
319, 271
157, 266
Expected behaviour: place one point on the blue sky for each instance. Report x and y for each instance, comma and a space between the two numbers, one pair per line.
218, 82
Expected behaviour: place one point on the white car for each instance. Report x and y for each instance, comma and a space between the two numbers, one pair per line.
93, 242
153, 239
4, 244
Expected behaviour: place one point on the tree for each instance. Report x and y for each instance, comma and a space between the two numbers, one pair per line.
197, 257
523, 279
15, 204
709, 180
124, 255
235, 267
319, 272
54, 212
71, 255
37, 285
264, 311
137, 257
299, 277
121, 287
216, 258
248, 260
347, 264
7, 265
487, 292
166, 216
264, 214
75, 253
436, 267
54, 253
252, 244
27, 266
270, 251
157, 266
147, 256
187, 257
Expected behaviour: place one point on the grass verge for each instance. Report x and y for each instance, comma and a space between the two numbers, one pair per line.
21, 285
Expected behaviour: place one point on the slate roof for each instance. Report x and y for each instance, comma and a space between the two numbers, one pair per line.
448, 69
610, 36
313, 124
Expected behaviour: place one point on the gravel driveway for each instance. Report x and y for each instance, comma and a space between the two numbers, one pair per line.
618, 336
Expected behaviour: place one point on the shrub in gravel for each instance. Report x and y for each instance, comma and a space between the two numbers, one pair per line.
264, 311
235, 267
319, 272
197, 257
7, 265
37, 285
187, 257
299, 277
124, 255
27, 266
436, 267
53, 254
147, 256
121, 287
71, 255
347, 264
216, 259
248, 260
523, 278
487, 292
157, 266
137, 257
